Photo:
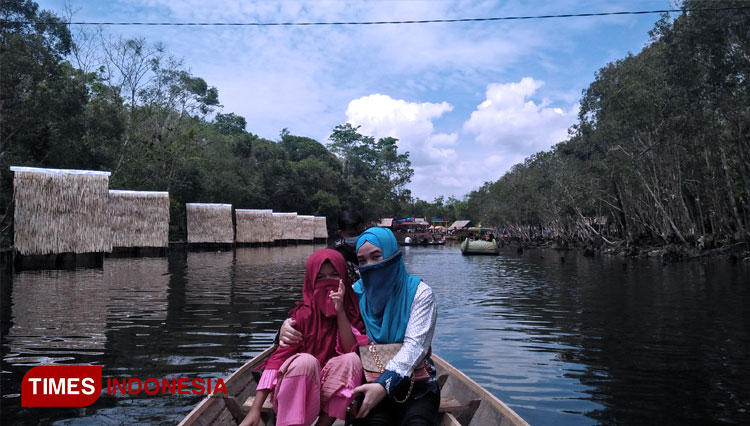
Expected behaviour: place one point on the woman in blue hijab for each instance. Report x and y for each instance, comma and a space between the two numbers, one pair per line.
396, 308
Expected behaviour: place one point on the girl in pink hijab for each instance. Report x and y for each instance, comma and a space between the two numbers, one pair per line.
315, 377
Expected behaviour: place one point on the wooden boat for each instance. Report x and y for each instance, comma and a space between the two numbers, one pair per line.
479, 247
463, 402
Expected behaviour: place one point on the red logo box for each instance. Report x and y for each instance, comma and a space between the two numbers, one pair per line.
61, 386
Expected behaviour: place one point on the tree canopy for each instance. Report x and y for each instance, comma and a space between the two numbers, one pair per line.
661, 150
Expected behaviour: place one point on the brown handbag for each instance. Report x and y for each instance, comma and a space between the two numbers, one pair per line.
376, 356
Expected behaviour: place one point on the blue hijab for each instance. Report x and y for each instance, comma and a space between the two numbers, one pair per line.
385, 291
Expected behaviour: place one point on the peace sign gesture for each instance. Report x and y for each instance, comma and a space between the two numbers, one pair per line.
337, 297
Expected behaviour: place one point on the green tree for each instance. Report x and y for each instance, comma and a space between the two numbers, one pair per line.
42, 97
374, 172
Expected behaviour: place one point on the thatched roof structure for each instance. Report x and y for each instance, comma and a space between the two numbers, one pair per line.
209, 223
254, 226
461, 224
60, 211
321, 229
306, 228
385, 222
277, 221
289, 226
139, 218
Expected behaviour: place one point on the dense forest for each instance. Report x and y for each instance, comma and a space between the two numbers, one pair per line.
661, 150
660, 153
85, 100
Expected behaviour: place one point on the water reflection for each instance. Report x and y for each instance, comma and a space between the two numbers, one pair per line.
564, 342
621, 342
52, 322
56, 314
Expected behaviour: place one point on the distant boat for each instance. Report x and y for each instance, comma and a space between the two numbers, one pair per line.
463, 402
421, 239
479, 247
422, 243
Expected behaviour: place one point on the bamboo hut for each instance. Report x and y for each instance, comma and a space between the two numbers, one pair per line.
209, 223
321, 229
60, 211
277, 221
139, 218
386, 222
254, 226
289, 226
306, 226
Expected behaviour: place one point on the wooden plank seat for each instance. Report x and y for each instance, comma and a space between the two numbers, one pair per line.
448, 404
267, 406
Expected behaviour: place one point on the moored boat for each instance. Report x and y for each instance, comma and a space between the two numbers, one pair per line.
479, 247
463, 402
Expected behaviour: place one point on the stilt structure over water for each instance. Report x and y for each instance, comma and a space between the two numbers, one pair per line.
285, 227
277, 230
306, 228
321, 230
60, 211
209, 223
139, 218
254, 226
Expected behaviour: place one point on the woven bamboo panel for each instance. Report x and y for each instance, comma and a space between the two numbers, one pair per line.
139, 218
321, 229
254, 226
306, 228
60, 211
209, 223
278, 226
289, 226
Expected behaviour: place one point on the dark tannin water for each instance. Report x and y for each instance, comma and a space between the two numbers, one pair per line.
576, 342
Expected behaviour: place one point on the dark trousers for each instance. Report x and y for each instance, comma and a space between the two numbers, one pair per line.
414, 412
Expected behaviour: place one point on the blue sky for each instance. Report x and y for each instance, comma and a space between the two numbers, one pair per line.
467, 100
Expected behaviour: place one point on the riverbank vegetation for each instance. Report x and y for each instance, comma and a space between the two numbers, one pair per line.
660, 153
86, 100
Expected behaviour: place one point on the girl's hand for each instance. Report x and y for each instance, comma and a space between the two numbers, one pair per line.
337, 297
289, 336
252, 418
374, 393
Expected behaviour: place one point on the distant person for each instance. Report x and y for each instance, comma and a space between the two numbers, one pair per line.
314, 378
350, 226
407, 240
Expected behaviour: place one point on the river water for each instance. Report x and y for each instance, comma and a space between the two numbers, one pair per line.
561, 338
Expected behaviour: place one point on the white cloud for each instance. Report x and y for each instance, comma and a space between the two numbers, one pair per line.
502, 131
304, 78
410, 122
508, 121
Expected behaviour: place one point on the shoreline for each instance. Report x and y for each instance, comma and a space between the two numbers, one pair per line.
668, 253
